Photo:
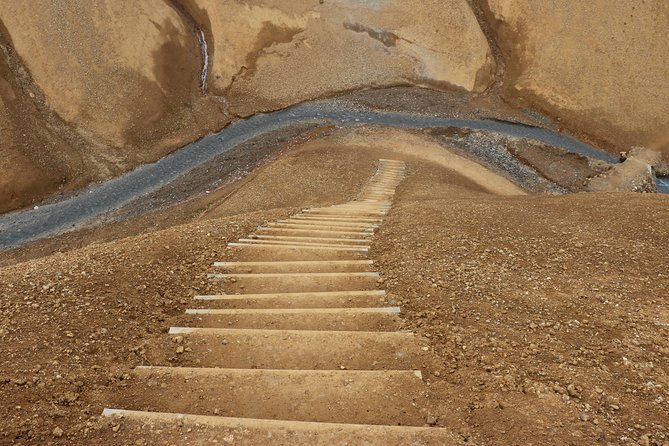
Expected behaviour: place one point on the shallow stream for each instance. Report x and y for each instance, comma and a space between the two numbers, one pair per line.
75, 211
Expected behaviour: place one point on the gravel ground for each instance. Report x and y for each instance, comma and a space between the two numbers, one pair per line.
91, 203
546, 315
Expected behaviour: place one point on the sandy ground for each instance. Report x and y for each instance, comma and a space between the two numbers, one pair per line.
545, 315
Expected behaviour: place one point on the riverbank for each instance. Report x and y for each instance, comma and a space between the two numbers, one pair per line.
97, 201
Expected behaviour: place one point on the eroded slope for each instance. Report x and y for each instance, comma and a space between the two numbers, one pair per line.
600, 66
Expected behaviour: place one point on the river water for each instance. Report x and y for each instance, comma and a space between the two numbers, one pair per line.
73, 212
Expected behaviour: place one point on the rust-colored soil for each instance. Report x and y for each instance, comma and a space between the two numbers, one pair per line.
566, 169
546, 317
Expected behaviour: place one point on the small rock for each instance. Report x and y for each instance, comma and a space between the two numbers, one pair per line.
57, 432
584, 416
573, 392
180, 349
116, 427
431, 420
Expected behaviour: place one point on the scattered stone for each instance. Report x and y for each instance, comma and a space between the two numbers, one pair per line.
431, 420
573, 391
57, 432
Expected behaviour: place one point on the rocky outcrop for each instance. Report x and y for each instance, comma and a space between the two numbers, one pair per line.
112, 68
90, 91
123, 80
599, 67
87, 93
282, 53
635, 174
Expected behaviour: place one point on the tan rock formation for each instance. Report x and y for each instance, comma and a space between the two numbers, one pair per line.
123, 77
635, 174
114, 68
280, 53
599, 66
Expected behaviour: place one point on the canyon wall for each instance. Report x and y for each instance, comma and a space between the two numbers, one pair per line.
89, 91
118, 82
601, 67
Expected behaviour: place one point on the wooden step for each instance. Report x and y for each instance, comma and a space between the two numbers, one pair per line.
207, 429
315, 232
276, 245
337, 299
323, 226
331, 319
261, 283
346, 212
339, 396
335, 218
297, 266
311, 239
270, 252
326, 222
299, 349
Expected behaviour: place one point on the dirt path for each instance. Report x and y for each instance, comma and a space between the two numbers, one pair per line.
258, 371
544, 317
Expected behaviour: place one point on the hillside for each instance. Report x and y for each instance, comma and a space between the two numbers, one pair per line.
547, 331
334, 222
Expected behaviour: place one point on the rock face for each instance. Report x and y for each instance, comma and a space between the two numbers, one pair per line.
87, 93
34, 160
111, 67
118, 83
90, 91
635, 174
599, 66
279, 53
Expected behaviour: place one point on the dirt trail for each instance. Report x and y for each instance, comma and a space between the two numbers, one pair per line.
544, 317
245, 392
91, 204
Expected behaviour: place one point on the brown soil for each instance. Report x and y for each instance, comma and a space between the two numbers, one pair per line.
569, 170
544, 315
